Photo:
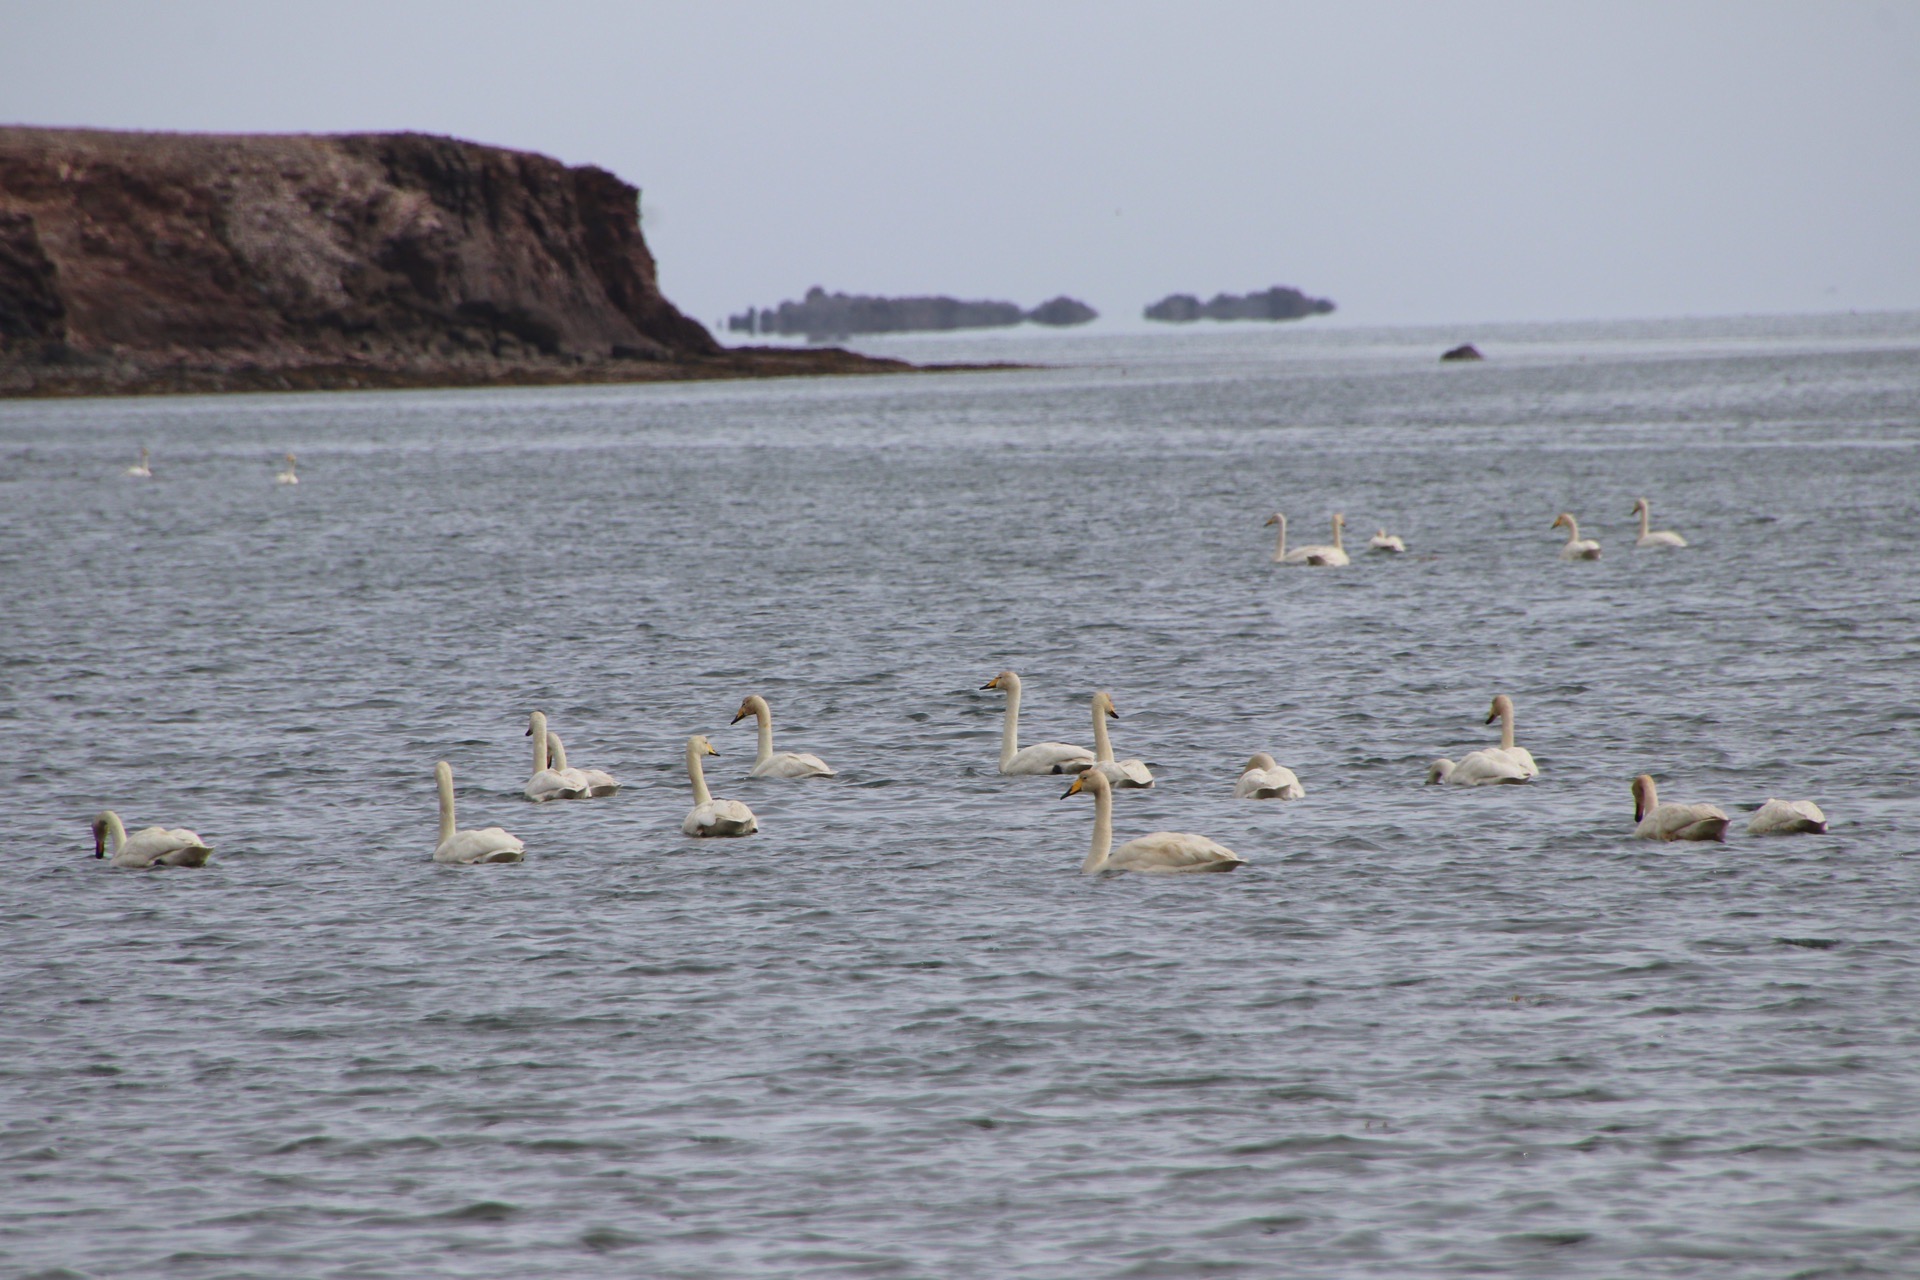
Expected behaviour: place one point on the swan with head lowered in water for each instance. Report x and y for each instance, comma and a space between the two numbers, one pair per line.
1121, 773
1313, 553
1503, 712
1384, 541
1779, 817
766, 762
1577, 547
548, 783
465, 848
1264, 778
151, 847
710, 817
1653, 537
1658, 821
1041, 757
599, 781
1162, 851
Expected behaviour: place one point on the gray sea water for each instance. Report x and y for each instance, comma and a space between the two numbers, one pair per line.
1425, 1032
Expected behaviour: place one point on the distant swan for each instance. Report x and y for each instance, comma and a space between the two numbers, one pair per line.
1673, 821
1384, 541
786, 764
1163, 851
1653, 537
1122, 773
1041, 757
142, 469
599, 781
548, 783
710, 817
1315, 553
1503, 712
1266, 779
287, 476
1788, 818
152, 847
464, 848
1577, 548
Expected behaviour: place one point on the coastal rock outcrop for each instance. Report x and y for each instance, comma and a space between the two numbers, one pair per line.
822, 315
1465, 351
152, 261
1282, 302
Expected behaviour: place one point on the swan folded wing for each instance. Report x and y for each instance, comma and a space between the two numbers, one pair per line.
488, 844
1683, 822
720, 818
1788, 817
1174, 851
551, 784
600, 782
1660, 538
1050, 757
159, 846
1484, 767
792, 764
1277, 783
1126, 773
1521, 757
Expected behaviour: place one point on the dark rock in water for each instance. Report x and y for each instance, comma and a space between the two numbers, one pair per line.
1062, 311
822, 315
1465, 351
197, 262
1281, 302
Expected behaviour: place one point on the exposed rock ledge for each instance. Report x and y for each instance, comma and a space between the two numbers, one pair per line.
133, 262
1281, 302
822, 315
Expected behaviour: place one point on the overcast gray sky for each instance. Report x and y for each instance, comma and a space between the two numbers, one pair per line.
1417, 162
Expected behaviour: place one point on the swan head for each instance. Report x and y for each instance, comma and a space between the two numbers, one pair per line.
1092, 780
1276, 518
536, 723
1005, 680
1104, 701
1437, 771
1261, 760
1339, 520
752, 705
699, 745
102, 822
1502, 706
290, 459
1644, 796
1563, 521
1639, 505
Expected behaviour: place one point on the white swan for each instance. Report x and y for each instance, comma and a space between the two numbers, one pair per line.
1041, 757
1384, 541
1121, 773
548, 783
1163, 851
1503, 712
1653, 537
1673, 821
1266, 779
464, 848
143, 469
1577, 548
710, 817
1475, 769
599, 781
786, 764
1788, 818
287, 476
152, 847
1315, 553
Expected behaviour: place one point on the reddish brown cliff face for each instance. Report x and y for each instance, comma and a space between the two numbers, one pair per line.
140, 261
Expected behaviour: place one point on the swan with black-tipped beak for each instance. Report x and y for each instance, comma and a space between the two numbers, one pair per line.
547, 782
767, 763
1656, 821
150, 847
1577, 547
1503, 712
710, 817
466, 848
1121, 773
1161, 852
1651, 538
1041, 757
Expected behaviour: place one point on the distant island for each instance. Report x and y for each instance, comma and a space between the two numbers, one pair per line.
821, 315
1281, 302
139, 262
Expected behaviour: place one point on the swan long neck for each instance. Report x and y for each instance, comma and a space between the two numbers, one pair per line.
764, 715
1102, 830
539, 727
1010, 732
700, 793
1102, 745
1338, 525
1646, 517
1506, 727
444, 777
1573, 529
1280, 547
556, 751
116, 832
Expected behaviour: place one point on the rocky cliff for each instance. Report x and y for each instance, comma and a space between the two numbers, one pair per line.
140, 262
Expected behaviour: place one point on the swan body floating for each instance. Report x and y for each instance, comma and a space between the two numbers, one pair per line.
710, 817
1653, 537
599, 781
465, 848
151, 847
1316, 553
1041, 757
1121, 773
1266, 779
548, 783
1475, 769
1384, 541
1577, 548
1673, 821
1788, 818
1162, 852
1503, 712
143, 469
785, 764
287, 476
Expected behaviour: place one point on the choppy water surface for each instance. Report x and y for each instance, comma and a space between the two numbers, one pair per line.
1426, 1032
